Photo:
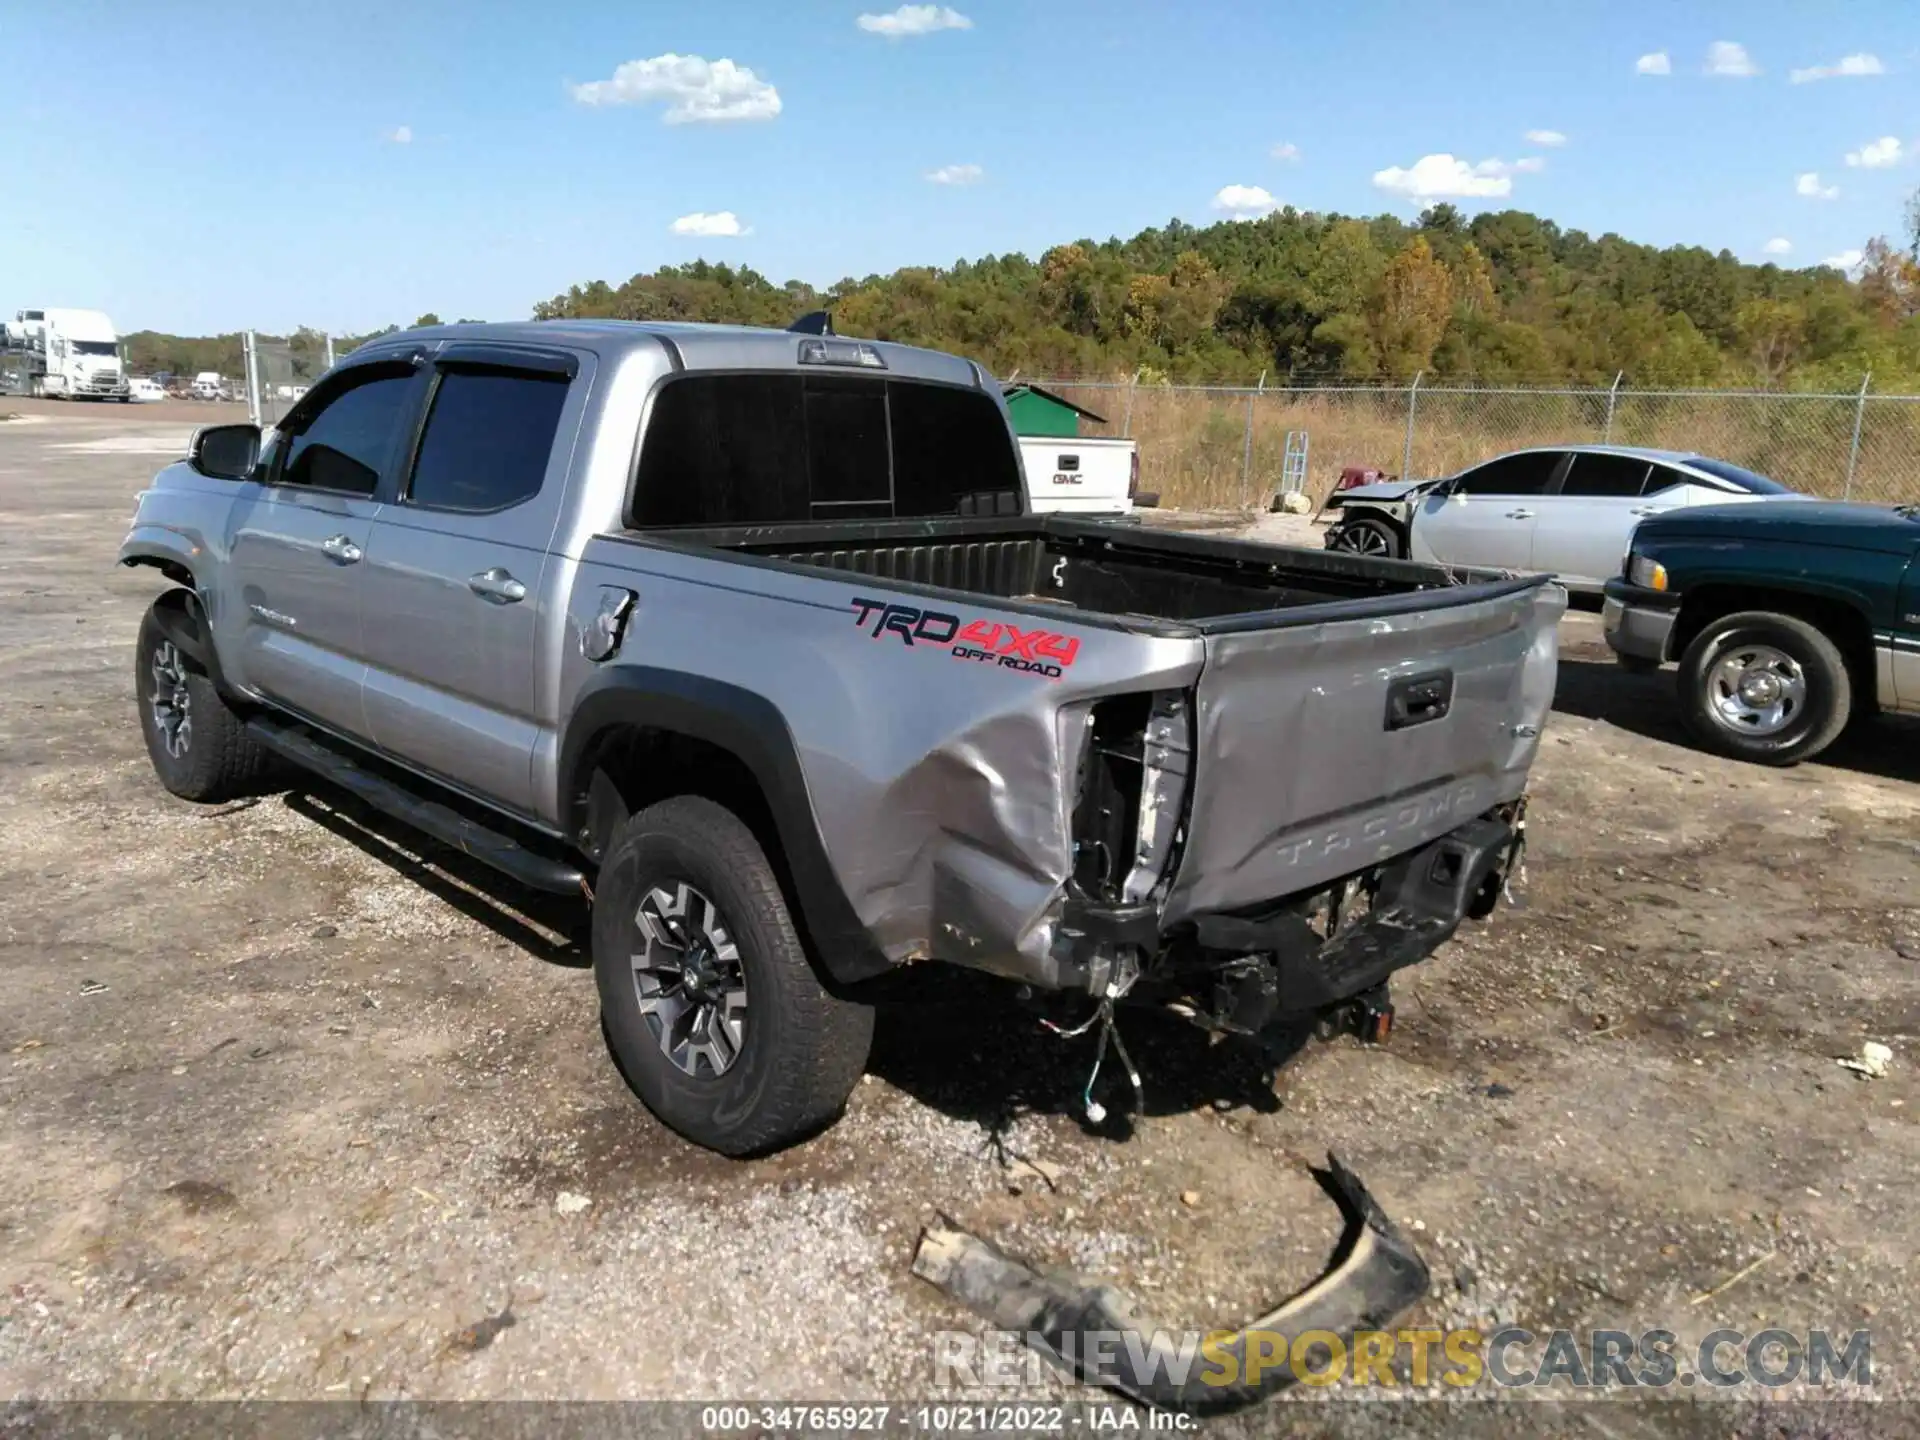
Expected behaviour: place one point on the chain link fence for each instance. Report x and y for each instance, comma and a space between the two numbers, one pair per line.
279, 371
1220, 447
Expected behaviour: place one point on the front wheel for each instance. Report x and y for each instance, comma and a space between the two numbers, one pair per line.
1367, 536
199, 747
1764, 687
708, 999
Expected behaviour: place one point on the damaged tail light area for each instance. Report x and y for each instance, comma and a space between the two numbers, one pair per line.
1131, 798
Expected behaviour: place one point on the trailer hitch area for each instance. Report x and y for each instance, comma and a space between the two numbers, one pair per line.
1095, 1333
1368, 1017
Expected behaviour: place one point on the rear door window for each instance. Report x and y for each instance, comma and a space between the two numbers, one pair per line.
725, 450
1524, 474
1595, 474
488, 436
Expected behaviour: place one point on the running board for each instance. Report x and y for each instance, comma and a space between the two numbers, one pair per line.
442, 822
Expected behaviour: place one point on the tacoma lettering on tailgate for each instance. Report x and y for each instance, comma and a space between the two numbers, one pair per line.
1038, 651
1371, 832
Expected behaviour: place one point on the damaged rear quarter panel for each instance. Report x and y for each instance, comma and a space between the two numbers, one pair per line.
942, 786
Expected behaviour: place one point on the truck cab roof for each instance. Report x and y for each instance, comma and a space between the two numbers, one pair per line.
689, 346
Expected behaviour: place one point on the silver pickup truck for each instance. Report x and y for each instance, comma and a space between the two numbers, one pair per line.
750, 636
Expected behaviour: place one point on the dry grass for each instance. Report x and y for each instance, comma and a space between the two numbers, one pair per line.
1222, 450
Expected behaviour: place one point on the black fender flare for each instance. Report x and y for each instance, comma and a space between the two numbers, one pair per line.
751, 728
181, 618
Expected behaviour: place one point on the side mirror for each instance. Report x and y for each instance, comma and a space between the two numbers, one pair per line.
225, 452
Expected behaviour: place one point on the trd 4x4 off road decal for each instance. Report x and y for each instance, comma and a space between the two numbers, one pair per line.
995, 642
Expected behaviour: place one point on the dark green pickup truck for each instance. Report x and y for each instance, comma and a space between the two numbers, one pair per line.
1786, 619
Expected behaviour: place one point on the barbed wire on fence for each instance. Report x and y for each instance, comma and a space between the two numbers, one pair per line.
1222, 446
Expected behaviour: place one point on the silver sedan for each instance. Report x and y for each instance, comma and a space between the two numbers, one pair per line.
1569, 510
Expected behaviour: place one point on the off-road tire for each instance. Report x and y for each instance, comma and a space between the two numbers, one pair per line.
803, 1048
1829, 687
219, 760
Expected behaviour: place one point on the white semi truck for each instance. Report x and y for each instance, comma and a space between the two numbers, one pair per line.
63, 354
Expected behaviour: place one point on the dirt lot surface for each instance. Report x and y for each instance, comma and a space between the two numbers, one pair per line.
288, 1106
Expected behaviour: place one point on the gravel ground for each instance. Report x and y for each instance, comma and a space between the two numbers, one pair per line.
290, 1108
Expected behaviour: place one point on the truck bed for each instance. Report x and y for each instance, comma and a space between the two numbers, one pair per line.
1125, 573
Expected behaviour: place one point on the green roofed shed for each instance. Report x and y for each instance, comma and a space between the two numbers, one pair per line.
1041, 412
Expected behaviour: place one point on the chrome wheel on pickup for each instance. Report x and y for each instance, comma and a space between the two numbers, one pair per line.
1756, 690
1765, 687
709, 1001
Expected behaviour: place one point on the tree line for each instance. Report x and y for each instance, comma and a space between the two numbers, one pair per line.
1505, 297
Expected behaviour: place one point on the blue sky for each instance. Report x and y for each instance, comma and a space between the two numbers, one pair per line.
208, 167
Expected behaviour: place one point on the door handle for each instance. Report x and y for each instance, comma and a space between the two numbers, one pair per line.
498, 586
1646, 510
1519, 514
341, 548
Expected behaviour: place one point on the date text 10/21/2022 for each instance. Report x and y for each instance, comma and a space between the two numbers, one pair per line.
960, 1418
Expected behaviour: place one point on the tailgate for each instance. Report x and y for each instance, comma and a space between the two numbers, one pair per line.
1326, 746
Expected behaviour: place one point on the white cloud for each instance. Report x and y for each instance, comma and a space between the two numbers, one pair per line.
695, 90
956, 175
1244, 202
1809, 185
1779, 245
1729, 58
1548, 138
400, 135
1286, 150
1658, 63
716, 225
1847, 67
1529, 165
1442, 177
914, 20
1877, 154
1847, 261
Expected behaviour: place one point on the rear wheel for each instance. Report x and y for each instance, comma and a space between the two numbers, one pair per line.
707, 996
1365, 535
1764, 687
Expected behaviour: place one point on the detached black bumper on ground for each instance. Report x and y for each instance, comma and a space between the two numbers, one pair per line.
1094, 1332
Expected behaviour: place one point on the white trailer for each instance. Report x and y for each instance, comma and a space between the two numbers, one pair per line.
63, 354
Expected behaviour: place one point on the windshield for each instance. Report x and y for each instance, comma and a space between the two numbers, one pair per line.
1753, 484
94, 347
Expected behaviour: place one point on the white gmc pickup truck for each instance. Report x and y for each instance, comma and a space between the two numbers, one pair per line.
1080, 476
